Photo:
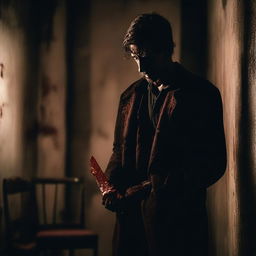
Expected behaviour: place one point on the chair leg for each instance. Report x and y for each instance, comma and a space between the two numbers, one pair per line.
95, 251
55, 252
44, 253
71, 252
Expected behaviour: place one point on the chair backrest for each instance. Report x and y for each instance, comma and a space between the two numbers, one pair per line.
20, 210
60, 201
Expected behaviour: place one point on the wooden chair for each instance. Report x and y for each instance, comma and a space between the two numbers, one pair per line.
20, 215
57, 231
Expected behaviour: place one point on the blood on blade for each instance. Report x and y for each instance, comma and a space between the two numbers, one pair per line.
100, 177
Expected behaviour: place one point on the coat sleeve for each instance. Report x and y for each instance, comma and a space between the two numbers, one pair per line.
114, 170
205, 147
114, 163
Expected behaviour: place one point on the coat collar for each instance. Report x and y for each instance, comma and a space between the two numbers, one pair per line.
178, 77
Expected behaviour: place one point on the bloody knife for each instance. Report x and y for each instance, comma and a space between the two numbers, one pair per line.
100, 177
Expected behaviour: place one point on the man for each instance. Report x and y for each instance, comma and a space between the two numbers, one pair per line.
169, 146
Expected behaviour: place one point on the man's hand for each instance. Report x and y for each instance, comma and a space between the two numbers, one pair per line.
112, 200
138, 192
116, 202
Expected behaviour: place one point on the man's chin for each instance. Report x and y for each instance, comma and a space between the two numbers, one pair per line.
151, 80
155, 81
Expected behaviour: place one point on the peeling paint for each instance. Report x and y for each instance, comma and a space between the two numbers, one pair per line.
2, 110
224, 3
47, 86
47, 130
51, 127
1, 70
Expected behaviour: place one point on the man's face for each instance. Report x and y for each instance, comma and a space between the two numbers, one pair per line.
153, 66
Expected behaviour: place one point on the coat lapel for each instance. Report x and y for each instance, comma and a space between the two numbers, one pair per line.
130, 111
166, 111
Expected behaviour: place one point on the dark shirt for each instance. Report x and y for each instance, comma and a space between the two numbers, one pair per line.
155, 100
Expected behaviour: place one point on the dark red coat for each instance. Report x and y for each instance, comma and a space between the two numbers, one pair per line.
186, 155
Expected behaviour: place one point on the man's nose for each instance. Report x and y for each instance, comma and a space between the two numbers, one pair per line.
142, 65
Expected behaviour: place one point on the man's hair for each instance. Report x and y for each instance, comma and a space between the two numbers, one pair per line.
150, 29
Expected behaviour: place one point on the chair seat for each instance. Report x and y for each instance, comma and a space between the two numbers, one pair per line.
59, 226
25, 246
23, 249
65, 233
67, 238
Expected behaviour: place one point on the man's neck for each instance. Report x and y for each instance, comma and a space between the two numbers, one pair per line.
167, 78
162, 86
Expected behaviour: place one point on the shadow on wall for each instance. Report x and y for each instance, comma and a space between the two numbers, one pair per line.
247, 164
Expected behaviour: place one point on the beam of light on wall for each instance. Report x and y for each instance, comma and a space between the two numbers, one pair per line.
13, 69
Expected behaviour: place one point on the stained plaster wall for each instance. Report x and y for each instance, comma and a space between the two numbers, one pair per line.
51, 104
225, 49
17, 96
32, 90
13, 79
52, 98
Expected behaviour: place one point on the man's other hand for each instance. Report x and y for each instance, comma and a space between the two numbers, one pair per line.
112, 200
